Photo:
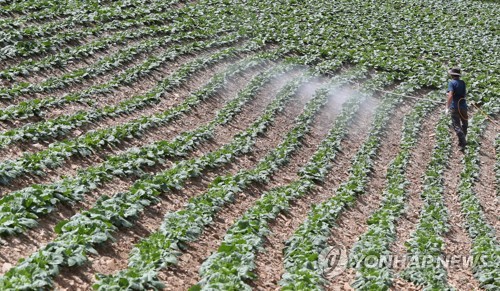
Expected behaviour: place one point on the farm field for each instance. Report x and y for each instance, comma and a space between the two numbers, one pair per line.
247, 145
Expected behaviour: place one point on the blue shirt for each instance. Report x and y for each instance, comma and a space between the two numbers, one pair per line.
459, 92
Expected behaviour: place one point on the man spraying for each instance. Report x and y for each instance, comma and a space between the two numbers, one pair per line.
457, 106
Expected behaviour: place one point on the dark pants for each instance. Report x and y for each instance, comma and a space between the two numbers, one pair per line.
460, 124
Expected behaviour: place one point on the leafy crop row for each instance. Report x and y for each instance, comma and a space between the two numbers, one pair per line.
58, 12
382, 223
26, 109
20, 209
38, 46
78, 235
302, 265
427, 242
66, 56
178, 228
485, 248
117, 11
59, 126
24, 6
87, 144
233, 263
104, 65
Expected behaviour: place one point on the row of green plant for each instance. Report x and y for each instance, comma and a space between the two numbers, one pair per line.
86, 16
20, 209
426, 244
99, 68
64, 57
233, 263
372, 34
61, 125
160, 249
485, 248
303, 265
38, 106
381, 231
52, 13
37, 46
88, 143
78, 235
25, 6
22, 6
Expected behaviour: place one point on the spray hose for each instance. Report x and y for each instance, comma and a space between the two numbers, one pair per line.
460, 112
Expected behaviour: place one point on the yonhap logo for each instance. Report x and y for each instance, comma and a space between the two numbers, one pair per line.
333, 261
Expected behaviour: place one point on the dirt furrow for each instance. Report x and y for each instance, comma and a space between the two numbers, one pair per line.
22, 245
113, 256
270, 262
485, 186
71, 165
352, 223
457, 241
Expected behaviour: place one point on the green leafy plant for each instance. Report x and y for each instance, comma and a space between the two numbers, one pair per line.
302, 265
88, 143
78, 235
233, 263
427, 240
20, 209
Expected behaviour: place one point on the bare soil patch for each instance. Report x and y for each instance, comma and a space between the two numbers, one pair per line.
486, 181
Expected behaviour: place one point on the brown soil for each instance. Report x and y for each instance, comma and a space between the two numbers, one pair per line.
114, 256
186, 273
485, 185
347, 232
457, 242
270, 262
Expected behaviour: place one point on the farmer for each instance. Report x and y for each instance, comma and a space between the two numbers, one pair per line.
457, 105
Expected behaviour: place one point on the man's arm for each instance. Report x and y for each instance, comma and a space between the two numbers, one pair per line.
449, 99
449, 94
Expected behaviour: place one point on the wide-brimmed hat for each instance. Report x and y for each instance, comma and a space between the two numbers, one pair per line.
455, 72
